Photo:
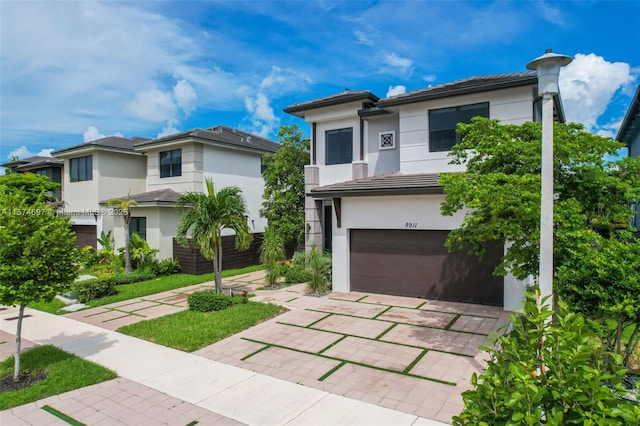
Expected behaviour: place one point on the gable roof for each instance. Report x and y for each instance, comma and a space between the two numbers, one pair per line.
222, 135
109, 143
159, 197
337, 99
482, 83
389, 184
33, 162
631, 122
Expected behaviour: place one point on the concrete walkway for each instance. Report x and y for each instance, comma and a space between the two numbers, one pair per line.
226, 393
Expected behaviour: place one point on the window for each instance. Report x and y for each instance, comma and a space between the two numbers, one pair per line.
263, 165
443, 122
81, 168
171, 163
139, 226
339, 146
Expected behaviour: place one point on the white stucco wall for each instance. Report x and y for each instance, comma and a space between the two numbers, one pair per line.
386, 160
395, 212
192, 168
511, 106
230, 167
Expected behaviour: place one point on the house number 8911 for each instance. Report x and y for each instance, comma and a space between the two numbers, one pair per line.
411, 225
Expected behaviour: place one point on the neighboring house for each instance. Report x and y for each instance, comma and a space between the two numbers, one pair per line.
153, 173
629, 134
373, 197
46, 166
94, 171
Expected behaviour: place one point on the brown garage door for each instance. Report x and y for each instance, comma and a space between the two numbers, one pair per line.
85, 235
417, 264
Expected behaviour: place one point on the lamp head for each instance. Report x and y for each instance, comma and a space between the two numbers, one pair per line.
548, 68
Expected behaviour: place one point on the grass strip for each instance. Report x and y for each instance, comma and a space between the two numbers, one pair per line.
291, 300
190, 330
387, 309
453, 321
346, 361
421, 305
333, 344
146, 288
415, 361
330, 372
62, 416
65, 372
317, 321
193, 423
379, 336
246, 357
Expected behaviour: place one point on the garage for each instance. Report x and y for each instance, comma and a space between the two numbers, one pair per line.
85, 235
416, 263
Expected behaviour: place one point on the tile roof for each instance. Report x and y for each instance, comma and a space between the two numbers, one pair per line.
162, 196
336, 99
32, 162
219, 134
474, 84
111, 142
389, 184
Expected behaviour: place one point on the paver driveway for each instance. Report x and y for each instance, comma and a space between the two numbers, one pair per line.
408, 354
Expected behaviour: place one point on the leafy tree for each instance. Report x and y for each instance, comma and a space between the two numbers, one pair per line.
501, 189
38, 257
548, 373
601, 278
123, 205
272, 253
283, 198
30, 185
205, 216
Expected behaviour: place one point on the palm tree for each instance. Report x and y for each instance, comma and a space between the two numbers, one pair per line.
271, 254
205, 215
124, 206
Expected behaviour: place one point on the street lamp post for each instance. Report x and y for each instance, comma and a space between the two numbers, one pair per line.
547, 67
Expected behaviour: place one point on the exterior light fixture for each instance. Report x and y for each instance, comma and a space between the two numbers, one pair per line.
547, 67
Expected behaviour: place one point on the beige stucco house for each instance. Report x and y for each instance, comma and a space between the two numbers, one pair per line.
373, 196
153, 172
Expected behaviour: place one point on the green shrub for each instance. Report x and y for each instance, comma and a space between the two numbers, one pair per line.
207, 301
548, 373
297, 275
88, 290
167, 267
319, 264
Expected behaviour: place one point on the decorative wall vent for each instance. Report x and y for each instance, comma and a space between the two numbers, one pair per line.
388, 139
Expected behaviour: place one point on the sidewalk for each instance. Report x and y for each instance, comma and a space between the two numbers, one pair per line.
232, 393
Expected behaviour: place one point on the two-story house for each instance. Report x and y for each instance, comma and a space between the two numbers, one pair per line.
629, 134
153, 172
46, 166
373, 197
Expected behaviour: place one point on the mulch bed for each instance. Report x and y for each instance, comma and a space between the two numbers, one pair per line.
25, 380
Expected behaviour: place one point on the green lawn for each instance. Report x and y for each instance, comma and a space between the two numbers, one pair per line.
65, 372
189, 330
145, 288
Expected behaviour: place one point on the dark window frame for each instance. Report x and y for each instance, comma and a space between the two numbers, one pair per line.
339, 146
136, 224
81, 169
171, 164
442, 134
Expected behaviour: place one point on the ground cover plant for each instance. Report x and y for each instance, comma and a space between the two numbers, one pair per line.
192, 330
59, 372
145, 288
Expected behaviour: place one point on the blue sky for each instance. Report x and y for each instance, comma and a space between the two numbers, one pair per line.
75, 71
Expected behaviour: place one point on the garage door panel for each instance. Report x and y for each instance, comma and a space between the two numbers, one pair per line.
416, 263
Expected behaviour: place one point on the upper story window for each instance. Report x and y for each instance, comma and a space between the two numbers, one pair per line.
139, 226
81, 168
339, 146
171, 163
443, 122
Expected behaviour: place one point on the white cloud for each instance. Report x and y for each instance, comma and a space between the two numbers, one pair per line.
92, 133
393, 60
23, 152
429, 78
396, 90
154, 105
587, 85
363, 38
168, 130
185, 96
551, 14
261, 117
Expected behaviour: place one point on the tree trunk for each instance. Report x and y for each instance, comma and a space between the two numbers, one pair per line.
16, 368
127, 249
217, 265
